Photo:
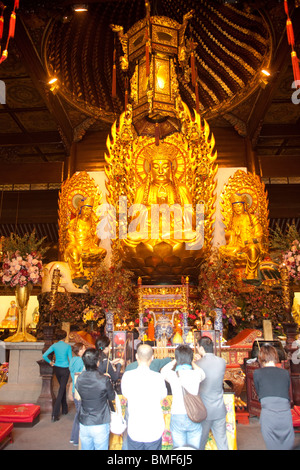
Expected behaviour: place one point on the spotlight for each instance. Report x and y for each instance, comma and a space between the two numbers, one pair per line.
79, 7
265, 72
52, 81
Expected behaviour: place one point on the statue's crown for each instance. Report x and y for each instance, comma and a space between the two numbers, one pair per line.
238, 198
87, 201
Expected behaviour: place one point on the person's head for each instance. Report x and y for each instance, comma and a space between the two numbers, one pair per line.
267, 353
91, 359
184, 355
60, 335
102, 343
78, 349
205, 345
144, 354
102, 346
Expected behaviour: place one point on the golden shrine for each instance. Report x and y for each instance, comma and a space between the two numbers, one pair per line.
158, 208
159, 204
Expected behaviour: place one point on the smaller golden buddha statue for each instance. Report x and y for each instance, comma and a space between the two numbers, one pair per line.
11, 317
82, 250
244, 237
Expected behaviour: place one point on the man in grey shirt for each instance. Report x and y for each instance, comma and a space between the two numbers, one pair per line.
211, 392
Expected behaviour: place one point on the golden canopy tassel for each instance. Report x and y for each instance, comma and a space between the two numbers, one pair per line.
147, 39
126, 93
193, 63
114, 73
156, 133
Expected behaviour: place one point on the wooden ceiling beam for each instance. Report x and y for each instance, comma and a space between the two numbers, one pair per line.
39, 77
33, 138
280, 131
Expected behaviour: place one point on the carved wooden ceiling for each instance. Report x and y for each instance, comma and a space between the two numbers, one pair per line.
235, 40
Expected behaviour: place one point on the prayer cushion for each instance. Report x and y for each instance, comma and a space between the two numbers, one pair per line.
25, 413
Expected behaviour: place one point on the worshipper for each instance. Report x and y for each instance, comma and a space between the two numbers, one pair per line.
211, 392
273, 388
144, 389
155, 365
76, 367
95, 390
183, 372
63, 356
107, 366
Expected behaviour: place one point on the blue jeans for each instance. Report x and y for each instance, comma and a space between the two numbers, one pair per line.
75, 427
94, 437
185, 432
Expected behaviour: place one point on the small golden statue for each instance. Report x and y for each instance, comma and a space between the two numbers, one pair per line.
82, 247
11, 317
244, 237
246, 219
78, 239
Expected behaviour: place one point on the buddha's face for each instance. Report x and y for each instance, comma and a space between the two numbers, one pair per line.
161, 170
238, 208
86, 212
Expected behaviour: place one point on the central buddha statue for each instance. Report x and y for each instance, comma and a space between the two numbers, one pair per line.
165, 208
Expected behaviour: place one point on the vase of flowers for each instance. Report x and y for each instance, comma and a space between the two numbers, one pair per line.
21, 269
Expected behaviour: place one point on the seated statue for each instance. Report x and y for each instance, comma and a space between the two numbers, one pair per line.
11, 317
244, 238
82, 249
160, 192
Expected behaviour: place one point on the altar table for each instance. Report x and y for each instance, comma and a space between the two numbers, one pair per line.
167, 443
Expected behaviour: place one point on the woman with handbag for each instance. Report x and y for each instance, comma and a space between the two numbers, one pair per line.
95, 390
106, 366
183, 374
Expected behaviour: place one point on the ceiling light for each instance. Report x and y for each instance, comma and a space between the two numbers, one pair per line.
52, 80
80, 7
265, 72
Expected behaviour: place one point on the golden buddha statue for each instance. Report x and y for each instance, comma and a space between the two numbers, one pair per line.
11, 317
165, 207
244, 237
82, 243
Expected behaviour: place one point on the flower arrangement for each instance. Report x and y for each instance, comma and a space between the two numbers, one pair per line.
291, 258
22, 260
113, 289
93, 314
259, 305
217, 288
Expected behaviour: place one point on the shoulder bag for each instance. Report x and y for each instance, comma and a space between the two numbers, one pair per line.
194, 406
117, 422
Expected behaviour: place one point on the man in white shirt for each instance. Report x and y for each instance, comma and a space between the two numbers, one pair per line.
144, 390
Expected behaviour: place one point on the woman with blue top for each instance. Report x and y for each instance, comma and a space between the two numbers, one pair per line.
63, 355
76, 367
183, 372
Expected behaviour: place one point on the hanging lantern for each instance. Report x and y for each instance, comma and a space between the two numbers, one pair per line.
152, 48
